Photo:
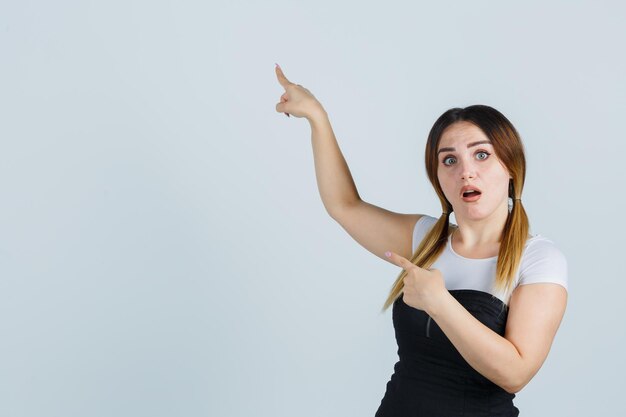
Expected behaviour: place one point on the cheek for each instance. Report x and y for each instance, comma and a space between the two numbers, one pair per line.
446, 184
499, 178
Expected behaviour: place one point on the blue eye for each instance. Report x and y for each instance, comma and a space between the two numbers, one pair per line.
445, 159
477, 153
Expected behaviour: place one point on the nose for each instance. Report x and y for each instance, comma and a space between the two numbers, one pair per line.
468, 169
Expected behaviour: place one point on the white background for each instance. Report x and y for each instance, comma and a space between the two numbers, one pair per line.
164, 250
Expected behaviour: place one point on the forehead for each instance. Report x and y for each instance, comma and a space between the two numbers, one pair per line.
461, 133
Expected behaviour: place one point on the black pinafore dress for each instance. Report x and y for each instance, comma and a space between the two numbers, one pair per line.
432, 379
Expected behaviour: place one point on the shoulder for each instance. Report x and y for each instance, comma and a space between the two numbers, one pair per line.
423, 225
542, 261
539, 246
421, 228
425, 221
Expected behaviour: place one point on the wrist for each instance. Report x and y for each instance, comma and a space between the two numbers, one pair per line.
317, 116
438, 303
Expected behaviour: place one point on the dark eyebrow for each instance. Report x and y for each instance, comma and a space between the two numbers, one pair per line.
469, 145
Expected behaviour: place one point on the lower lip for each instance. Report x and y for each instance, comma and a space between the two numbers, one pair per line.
472, 198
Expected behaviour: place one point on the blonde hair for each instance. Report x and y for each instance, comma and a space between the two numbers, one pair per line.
509, 149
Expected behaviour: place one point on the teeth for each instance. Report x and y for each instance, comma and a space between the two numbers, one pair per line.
469, 191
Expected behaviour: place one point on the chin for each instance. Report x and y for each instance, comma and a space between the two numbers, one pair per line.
473, 212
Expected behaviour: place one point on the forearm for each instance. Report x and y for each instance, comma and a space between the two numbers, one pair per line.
334, 181
487, 352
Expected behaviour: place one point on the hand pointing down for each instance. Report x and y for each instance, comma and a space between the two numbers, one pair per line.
422, 287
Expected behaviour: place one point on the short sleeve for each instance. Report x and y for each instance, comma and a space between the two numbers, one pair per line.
422, 227
542, 261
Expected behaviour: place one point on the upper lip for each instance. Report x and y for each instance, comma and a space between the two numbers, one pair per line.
468, 188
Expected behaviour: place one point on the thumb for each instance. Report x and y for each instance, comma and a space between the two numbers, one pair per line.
282, 107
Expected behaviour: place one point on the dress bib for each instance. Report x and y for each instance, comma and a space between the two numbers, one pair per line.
431, 378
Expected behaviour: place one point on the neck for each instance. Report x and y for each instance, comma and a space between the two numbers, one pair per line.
476, 233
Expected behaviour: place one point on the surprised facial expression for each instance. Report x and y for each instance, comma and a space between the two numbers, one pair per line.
466, 157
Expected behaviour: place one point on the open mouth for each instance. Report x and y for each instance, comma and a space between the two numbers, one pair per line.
470, 196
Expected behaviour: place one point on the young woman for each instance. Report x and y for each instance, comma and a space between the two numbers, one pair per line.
470, 328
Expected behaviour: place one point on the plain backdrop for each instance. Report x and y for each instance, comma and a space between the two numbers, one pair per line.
164, 250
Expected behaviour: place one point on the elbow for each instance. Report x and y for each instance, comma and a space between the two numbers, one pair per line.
339, 211
515, 385
512, 389
516, 377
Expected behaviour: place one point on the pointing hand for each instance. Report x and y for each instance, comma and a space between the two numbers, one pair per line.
296, 100
421, 286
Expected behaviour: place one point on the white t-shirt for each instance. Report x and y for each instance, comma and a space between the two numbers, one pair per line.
541, 261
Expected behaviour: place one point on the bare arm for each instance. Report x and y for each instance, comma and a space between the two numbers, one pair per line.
334, 180
535, 313
375, 228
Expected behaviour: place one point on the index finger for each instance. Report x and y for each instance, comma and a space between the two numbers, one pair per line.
281, 77
399, 260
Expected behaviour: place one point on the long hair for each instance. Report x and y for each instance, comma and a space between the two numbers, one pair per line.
509, 149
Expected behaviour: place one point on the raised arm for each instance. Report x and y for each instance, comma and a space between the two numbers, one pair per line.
375, 228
